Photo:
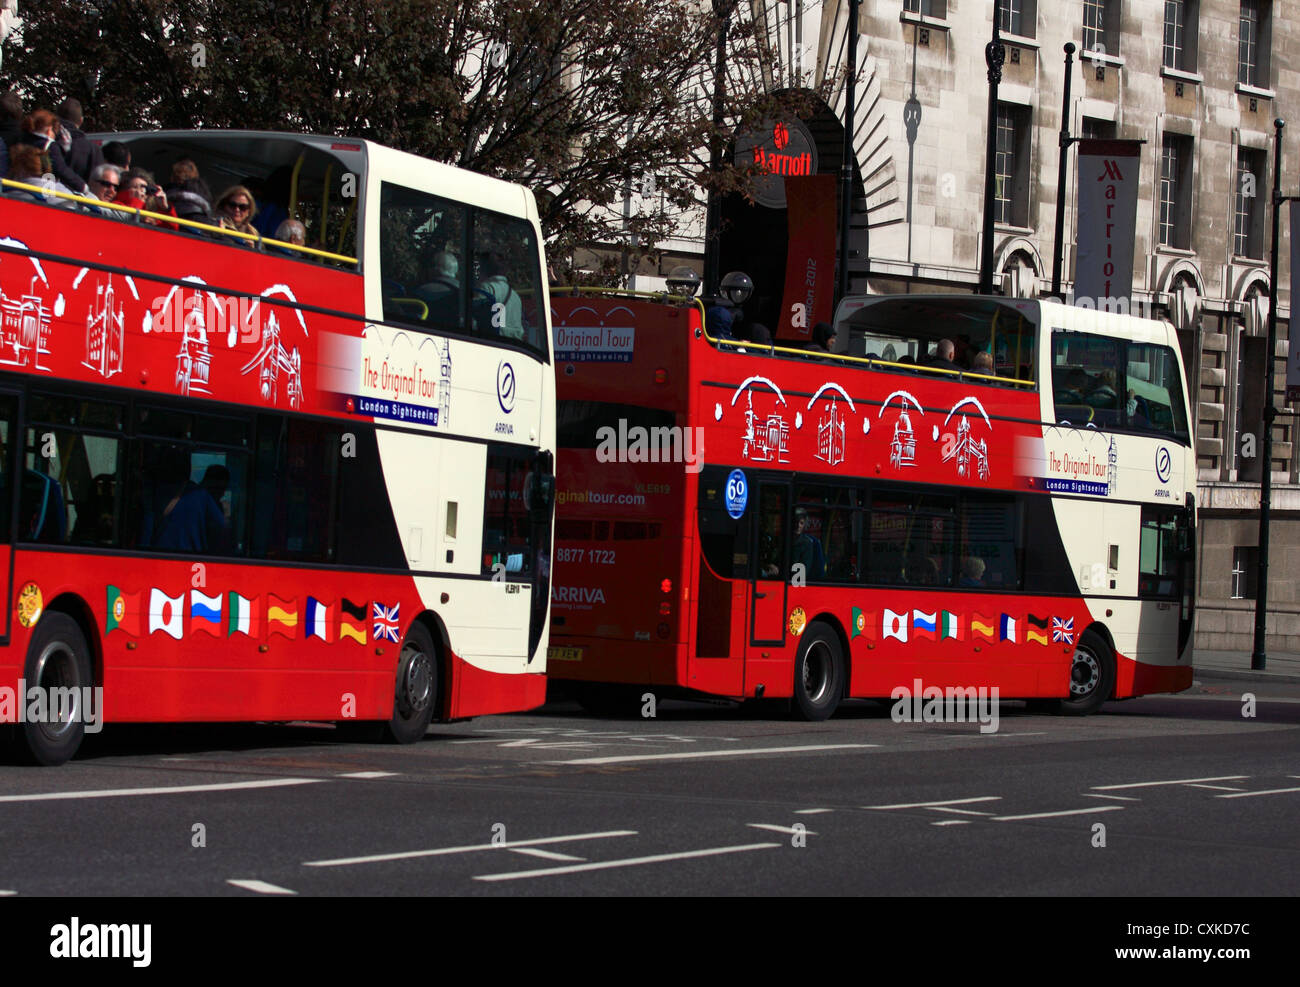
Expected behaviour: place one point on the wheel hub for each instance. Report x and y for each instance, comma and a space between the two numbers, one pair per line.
1085, 673
816, 672
56, 669
416, 688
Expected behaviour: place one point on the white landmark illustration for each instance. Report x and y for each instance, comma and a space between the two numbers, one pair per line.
830, 436
766, 440
444, 397
105, 334
902, 450
966, 449
24, 329
272, 360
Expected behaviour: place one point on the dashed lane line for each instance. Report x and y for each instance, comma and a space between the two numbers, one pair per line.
931, 805
788, 830
261, 887
105, 793
1175, 781
691, 755
1125, 798
811, 812
365, 775
471, 848
951, 822
1063, 812
1267, 791
533, 851
1218, 788
626, 862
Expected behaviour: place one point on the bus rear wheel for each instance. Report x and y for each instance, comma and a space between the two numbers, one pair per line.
1092, 676
416, 693
58, 663
818, 674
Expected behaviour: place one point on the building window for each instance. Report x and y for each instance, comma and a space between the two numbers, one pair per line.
1181, 22
1248, 216
1017, 17
1098, 130
1012, 166
1245, 569
1100, 30
1175, 191
1253, 43
926, 8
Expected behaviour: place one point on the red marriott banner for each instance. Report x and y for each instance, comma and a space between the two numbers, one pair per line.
810, 257
1106, 223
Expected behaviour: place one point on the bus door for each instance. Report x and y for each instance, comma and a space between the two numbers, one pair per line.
1162, 558
10, 451
769, 580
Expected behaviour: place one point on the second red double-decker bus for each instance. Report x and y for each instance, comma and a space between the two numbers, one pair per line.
971, 492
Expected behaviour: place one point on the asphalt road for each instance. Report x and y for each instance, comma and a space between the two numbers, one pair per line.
1167, 796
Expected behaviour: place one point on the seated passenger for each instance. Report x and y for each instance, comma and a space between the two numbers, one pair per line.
445, 282
105, 183
823, 339
189, 193
718, 320
139, 191
972, 571
290, 231
1103, 393
235, 210
193, 521
507, 307
41, 130
25, 166
942, 358
983, 363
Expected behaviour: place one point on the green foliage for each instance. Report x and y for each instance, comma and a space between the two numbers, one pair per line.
577, 99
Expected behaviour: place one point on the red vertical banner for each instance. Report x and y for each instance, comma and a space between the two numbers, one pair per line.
810, 257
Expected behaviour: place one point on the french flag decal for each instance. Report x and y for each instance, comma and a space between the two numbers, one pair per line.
318, 619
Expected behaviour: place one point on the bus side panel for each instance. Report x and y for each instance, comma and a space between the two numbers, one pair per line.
476, 692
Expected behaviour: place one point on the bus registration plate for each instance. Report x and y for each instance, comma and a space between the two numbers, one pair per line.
563, 654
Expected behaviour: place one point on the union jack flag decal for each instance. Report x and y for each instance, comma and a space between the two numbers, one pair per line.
386, 622
1063, 630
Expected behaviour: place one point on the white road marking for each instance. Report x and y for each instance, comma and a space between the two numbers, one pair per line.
544, 854
473, 848
261, 887
790, 830
1126, 798
962, 812
1063, 812
1219, 788
1269, 791
811, 812
626, 862
684, 755
7, 894
951, 822
929, 805
1176, 781
369, 774
105, 793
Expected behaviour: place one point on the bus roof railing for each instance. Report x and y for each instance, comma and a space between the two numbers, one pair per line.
140, 214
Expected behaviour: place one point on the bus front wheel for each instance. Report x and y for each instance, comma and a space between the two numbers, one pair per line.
818, 674
58, 663
416, 693
1092, 676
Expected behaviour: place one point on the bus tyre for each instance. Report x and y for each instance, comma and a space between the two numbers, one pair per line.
818, 673
1092, 676
57, 658
416, 692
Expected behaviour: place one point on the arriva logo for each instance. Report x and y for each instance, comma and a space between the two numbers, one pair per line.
577, 594
506, 387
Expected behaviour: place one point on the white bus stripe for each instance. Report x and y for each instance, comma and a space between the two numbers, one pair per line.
472, 848
626, 862
687, 755
105, 793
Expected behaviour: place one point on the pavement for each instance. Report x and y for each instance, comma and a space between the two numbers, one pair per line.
1280, 667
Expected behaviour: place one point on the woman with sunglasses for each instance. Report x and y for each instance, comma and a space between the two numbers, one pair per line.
236, 209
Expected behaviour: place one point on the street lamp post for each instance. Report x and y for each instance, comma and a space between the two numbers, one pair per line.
994, 55
1258, 657
1058, 256
846, 164
713, 214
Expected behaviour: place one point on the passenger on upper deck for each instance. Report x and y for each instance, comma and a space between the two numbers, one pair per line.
25, 166
291, 231
509, 318
139, 191
943, 356
115, 152
823, 338
82, 154
189, 193
236, 209
983, 363
40, 130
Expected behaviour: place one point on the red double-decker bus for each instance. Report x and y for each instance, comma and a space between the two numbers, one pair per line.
746, 521
243, 480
